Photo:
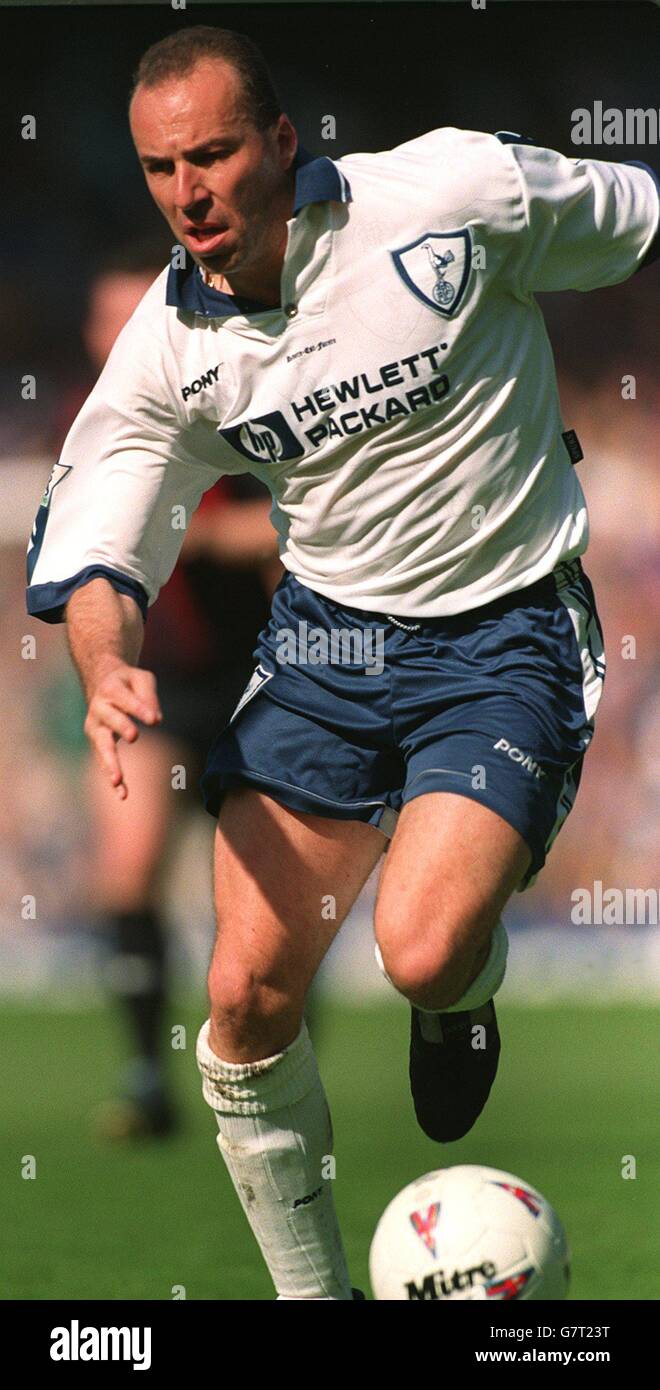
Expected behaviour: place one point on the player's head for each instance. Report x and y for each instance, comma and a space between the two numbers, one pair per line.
214, 144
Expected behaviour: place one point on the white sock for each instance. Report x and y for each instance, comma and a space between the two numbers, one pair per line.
275, 1137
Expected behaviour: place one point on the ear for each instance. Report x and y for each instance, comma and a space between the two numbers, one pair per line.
287, 140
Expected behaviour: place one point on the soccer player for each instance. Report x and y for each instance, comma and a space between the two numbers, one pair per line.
402, 408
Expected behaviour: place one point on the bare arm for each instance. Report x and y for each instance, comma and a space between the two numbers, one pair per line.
105, 632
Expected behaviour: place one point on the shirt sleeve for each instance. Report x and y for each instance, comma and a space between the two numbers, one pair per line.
122, 492
582, 223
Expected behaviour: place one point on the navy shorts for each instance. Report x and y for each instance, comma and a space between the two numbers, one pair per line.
351, 714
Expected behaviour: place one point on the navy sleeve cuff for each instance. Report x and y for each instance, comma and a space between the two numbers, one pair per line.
654, 249
48, 601
509, 137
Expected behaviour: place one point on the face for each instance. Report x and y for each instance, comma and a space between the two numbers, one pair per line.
221, 184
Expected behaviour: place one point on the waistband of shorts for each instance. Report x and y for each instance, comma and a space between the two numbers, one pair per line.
543, 590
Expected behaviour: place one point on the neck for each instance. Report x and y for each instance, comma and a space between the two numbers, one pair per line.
264, 284
265, 289
216, 282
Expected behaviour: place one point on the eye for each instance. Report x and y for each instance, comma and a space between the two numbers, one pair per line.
211, 155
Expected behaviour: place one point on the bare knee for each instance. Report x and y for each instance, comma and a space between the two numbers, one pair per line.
432, 963
252, 1016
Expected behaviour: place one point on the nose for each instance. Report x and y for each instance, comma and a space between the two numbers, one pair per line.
188, 188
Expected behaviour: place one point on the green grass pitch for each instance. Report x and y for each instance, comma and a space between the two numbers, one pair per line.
576, 1092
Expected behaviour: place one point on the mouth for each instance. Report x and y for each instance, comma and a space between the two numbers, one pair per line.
205, 237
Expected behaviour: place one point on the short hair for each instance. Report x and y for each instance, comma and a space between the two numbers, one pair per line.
177, 54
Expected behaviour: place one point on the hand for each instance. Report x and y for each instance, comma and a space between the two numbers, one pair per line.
122, 691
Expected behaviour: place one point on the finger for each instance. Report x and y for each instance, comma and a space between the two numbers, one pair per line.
143, 684
119, 696
105, 748
108, 716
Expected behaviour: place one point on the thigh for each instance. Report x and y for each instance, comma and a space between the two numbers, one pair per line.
450, 869
284, 882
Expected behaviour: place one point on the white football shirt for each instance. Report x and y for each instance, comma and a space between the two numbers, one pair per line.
401, 404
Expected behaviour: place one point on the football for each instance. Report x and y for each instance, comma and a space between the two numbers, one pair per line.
469, 1233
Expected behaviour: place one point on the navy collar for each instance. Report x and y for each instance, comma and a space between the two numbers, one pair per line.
317, 181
